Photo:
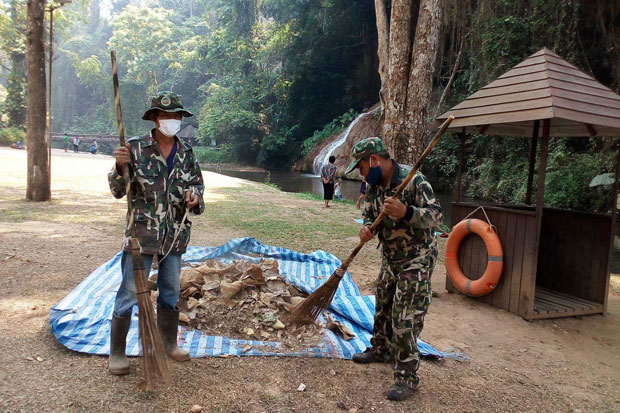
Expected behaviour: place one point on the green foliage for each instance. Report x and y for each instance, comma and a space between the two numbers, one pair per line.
212, 155
11, 135
496, 171
337, 125
13, 55
504, 32
570, 171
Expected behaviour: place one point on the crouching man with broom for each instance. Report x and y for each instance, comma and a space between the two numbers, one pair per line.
409, 253
166, 184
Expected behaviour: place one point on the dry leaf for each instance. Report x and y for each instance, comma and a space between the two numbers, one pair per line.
339, 328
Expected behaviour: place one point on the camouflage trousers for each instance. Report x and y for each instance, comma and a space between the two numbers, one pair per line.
402, 299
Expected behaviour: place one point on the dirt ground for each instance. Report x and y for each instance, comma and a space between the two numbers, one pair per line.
561, 365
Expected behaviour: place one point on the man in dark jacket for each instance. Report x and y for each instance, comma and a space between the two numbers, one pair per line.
166, 184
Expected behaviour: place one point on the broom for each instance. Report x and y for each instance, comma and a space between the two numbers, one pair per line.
153, 354
309, 309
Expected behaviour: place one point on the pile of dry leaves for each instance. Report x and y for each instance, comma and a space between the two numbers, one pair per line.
246, 300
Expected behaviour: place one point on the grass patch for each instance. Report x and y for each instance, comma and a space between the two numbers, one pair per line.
280, 223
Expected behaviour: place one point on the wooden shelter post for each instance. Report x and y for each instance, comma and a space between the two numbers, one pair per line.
614, 216
530, 174
463, 137
527, 305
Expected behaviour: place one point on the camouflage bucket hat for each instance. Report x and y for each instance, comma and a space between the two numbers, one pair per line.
166, 102
363, 149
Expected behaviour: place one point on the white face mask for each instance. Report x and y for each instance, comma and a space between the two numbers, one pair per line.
169, 127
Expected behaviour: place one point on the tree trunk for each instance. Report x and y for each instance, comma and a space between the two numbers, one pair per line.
410, 147
383, 40
401, 22
38, 185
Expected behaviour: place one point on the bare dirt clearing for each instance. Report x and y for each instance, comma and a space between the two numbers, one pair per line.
47, 249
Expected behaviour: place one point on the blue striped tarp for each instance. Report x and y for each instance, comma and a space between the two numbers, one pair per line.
81, 321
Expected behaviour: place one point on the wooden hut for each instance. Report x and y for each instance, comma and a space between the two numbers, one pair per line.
556, 262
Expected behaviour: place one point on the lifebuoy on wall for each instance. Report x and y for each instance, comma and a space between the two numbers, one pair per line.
493, 272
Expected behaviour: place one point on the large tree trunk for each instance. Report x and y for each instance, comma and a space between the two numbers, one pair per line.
383, 40
401, 22
420, 81
38, 185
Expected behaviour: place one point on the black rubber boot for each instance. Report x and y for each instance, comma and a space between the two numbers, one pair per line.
368, 356
399, 392
168, 323
118, 363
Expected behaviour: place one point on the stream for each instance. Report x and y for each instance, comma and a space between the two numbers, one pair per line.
304, 182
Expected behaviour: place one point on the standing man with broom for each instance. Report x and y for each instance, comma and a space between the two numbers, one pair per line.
166, 184
409, 253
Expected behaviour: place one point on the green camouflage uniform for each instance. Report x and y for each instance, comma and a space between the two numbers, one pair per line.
409, 250
158, 198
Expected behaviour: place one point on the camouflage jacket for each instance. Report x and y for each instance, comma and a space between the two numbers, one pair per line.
410, 238
158, 198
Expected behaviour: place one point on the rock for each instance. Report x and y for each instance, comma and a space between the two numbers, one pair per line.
301, 387
196, 408
341, 405
353, 410
279, 325
332, 372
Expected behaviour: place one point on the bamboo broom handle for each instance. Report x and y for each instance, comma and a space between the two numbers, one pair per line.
121, 138
400, 189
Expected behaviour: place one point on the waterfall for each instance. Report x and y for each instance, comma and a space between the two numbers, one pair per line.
323, 156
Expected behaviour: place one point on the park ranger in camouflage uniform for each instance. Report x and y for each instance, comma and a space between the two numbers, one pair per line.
409, 253
166, 184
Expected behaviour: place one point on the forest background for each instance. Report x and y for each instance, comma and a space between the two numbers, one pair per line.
268, 80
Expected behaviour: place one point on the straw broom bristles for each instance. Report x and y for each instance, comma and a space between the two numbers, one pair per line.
309, 309
153, 354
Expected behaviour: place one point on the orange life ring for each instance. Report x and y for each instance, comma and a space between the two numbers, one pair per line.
489, 279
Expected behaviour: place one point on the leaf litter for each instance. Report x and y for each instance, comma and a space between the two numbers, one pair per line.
246, 300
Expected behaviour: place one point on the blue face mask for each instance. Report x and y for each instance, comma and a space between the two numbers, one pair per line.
375, 175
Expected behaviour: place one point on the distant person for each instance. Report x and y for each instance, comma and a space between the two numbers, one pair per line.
328, 172
218, 167
76, 144
94, 147
65, 142
338, 190
362, 193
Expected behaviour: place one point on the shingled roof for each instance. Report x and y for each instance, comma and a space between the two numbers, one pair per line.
543, 86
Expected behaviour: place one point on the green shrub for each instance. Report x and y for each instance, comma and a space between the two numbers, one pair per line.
335, 126
11, 135
222, 154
